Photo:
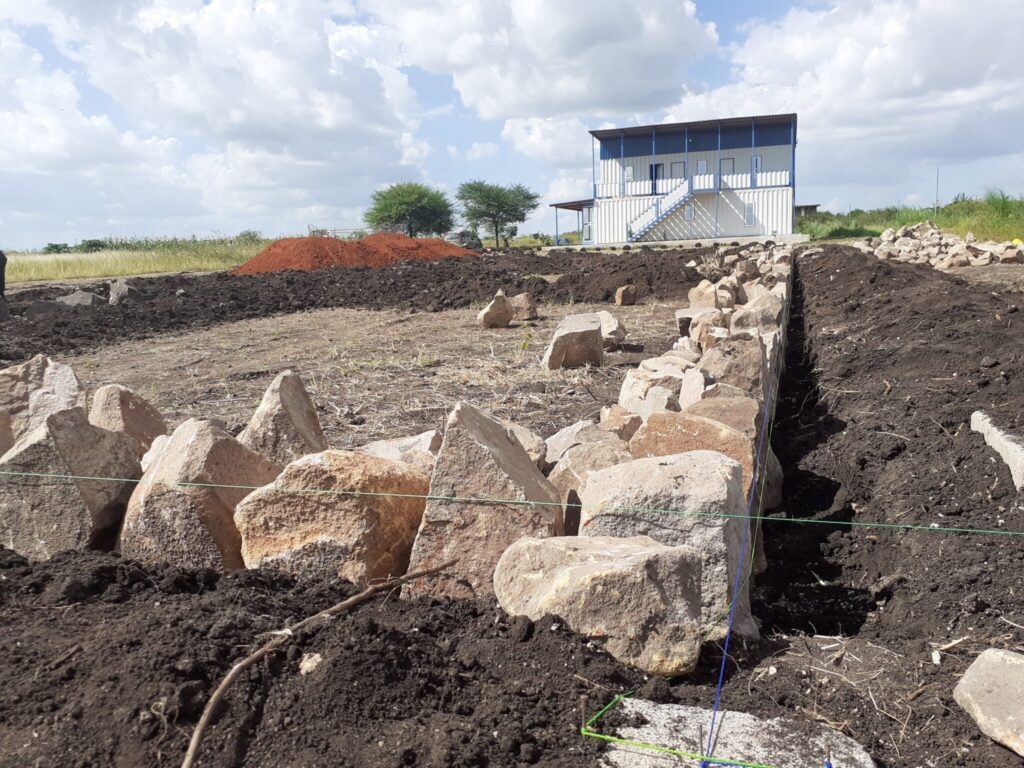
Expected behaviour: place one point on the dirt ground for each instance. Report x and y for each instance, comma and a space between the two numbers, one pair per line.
378, 374
110, 662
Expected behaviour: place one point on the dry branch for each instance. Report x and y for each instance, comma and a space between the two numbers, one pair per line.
281, 637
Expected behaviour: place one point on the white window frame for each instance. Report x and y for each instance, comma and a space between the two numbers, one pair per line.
732, 166
680, 166
627, 173
702, 167
749, 218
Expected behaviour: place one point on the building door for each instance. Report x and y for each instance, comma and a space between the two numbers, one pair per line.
728, 166
678, 170
656, 171
586, 231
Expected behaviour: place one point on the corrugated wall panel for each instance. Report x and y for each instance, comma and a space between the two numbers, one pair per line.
772, 134
773, 215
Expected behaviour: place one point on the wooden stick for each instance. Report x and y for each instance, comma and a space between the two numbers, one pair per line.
280, 638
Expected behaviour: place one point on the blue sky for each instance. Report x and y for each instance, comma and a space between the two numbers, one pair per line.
180, 117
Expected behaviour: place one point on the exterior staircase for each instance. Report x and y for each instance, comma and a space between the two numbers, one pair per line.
659, 210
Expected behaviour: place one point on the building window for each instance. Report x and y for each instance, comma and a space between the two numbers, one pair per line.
749, 215
728, 166
702, 167
628, 171
678, 170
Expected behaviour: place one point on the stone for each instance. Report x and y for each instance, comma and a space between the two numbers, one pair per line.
497, 314
619, 421
762, 314
644, 392
889, 235
570, 473
739, 362
159, 443
693, 499
686, 316
722, 390
574, 434
704, 295
577, 342
692, 386
613, 332
309, 662
34, 390
735, 289
746, 271
419, 450
702, 324
182, 512
479, 458
741, 738
81, 299
666, 365
687, 349
298, 526
285, 425
992, 693
1009, 447
523, 307
6, 433
121, 292
118, 409
638, 598
625, 296
665, 434
743, 414
535, 445
40, 517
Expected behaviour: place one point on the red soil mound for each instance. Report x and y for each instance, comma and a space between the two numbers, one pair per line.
309, 253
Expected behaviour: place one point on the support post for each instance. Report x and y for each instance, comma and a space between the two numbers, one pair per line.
654, 163
622, 164
792, 157
593, 165
686, 154
718, 177
556, 226
753, 152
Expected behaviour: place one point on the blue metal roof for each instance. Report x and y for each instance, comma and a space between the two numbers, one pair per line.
636, 141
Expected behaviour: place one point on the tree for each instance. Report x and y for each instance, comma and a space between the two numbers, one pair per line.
495, 206
411, 208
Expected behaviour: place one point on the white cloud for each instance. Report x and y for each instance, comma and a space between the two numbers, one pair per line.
453, 151
562, 142
479, 150
414, 151
885, 89
510, 58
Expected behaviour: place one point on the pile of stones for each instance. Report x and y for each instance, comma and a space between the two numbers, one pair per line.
924, 243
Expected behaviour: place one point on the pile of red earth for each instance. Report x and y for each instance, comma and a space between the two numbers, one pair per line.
309, 253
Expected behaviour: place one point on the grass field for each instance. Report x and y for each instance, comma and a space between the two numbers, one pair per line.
134, 257
996, 216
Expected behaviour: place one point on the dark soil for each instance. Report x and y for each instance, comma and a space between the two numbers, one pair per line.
107, 663
450, 283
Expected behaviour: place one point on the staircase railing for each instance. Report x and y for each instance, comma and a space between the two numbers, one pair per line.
661, 207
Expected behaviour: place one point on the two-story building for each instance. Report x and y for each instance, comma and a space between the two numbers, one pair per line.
733, 177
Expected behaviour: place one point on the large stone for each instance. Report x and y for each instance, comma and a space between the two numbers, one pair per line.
41, 516
693, 498
419, 450
285, 426
81, 299
740, 362
570, 473
741, 413
482, 459
336, 513
497, 314
119, 409
1009, 447
36, 389
625, 296
746, 271
702, 324
575, 434
182, 512
704, 294
739, 739
992, 693
6, 433
536, 447
763, 314
620, 422
692, 386
523, 307
577, 342
639, 597
613, 332
664, 434
121, 292
686, 316
644, 392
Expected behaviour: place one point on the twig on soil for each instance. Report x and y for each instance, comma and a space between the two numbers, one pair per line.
280, 638
1012, 624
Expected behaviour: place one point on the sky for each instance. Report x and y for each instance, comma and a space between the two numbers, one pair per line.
143, 118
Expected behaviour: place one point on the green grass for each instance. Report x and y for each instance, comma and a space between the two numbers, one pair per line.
134, 257
996, 216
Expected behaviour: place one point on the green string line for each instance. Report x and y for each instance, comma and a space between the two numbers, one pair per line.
586, 730
525, 502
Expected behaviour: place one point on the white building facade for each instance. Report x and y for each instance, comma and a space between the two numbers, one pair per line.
691, 181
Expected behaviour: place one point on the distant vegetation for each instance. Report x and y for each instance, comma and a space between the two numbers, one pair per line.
996, 216
110, 257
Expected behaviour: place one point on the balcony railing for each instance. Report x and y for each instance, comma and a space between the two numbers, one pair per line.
704, 182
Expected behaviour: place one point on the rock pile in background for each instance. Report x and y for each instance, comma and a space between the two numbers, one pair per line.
924, 243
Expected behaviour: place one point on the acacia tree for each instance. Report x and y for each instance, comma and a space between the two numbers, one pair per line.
495, 206
411, 208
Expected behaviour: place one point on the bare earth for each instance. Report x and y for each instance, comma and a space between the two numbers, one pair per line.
375, 374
